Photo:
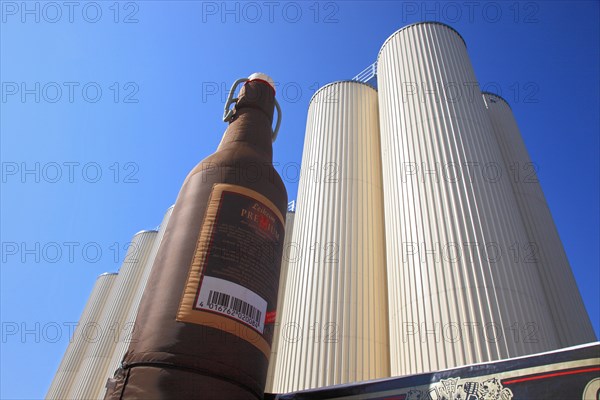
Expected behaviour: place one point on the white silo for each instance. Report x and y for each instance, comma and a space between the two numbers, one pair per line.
83, 337
334, 316
287, 248
562, 294
127, 324
457, 295
91, 378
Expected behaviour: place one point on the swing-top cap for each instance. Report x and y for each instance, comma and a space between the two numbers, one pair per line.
259, 76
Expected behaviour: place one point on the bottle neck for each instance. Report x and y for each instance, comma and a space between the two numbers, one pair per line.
252, 123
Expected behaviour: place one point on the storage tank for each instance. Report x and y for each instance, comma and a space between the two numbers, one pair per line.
91, 378
128, 322
568, 311
288, 247
334, 316
457, 293
82, 337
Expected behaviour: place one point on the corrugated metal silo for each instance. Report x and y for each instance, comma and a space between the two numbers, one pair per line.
84, 333
334, 317
568, 311
128, 322
287, 248
457, 294
91, 378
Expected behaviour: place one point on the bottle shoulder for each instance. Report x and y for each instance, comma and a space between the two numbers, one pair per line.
243, 165
238, 155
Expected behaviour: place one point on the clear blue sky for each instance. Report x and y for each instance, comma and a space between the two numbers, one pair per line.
164, 67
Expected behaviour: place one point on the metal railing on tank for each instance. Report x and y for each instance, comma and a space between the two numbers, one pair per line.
367, 74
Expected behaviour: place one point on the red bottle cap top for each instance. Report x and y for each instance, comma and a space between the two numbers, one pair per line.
259, 76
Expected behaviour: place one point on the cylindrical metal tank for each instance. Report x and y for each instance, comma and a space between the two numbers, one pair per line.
458, 294
334, 316
82, 337
567, 308
128, 322
287, 248
91, 378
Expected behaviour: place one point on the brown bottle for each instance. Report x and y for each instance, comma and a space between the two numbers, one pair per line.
204, 326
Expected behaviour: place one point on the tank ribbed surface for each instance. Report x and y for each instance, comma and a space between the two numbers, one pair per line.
128, 323
334, 317
82, 338
562, 294
91, 379
287, 248
457, 293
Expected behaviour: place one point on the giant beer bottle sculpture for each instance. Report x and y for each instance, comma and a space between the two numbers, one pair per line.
204, 326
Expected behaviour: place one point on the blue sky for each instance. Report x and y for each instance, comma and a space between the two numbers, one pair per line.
130, 98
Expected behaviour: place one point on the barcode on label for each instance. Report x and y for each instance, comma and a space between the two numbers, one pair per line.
234, 303
232, 300
218, 298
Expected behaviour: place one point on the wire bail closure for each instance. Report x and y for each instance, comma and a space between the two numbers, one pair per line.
229, 113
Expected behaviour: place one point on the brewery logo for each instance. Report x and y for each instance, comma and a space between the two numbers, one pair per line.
462, 389
592, 390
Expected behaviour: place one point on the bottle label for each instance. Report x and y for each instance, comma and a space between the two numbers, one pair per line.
234, 275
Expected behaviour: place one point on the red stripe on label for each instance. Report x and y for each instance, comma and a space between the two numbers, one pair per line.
270, 317
545, 376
